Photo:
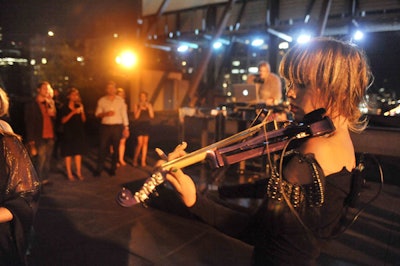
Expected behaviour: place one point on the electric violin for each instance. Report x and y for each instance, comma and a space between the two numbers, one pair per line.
250, 143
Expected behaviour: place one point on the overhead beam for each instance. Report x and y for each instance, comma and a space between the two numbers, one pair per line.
308, 11
240, 15
159, 13
206, 59
323, 18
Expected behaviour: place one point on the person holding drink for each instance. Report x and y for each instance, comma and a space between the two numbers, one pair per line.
73, 142
111, 110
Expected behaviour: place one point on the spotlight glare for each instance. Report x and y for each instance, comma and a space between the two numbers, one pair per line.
303, 38
257, 42
127, 59
217, 45
183, 48
358, 35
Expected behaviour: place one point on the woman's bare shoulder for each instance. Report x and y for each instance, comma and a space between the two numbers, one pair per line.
332, 153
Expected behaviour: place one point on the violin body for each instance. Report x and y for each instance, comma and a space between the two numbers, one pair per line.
247, 144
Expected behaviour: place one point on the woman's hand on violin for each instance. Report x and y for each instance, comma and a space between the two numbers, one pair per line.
179, 151
183, 184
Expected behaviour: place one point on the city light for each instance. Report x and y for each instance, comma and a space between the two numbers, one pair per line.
127, 59
283, 45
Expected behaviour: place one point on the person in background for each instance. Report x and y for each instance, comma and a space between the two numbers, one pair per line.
73, 142
39, 122
19, 193
268, 85
125, 134
4, 107
305, 200
111, 109
143, 112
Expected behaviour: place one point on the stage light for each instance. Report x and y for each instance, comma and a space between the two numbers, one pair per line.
182, 48
127, 59
281, 35
358, 35
217, 45
257, 42
303, 38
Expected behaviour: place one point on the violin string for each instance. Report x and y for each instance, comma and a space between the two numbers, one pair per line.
265, 130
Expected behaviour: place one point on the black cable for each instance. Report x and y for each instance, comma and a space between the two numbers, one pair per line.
360, 211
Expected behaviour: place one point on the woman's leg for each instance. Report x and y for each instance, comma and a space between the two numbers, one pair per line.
122, 143
144, 150
68, 167
78, 165
138, 148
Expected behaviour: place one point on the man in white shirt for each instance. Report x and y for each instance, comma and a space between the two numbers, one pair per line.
112, 111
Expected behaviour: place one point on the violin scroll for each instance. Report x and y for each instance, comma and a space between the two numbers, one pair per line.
126, 198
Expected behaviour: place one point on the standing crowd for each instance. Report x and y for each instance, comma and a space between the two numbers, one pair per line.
57, 127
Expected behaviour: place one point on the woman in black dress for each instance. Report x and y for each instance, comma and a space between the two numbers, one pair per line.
73, 143
143, 113
19, 193
305, 197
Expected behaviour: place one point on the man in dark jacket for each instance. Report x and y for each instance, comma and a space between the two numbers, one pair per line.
39, 122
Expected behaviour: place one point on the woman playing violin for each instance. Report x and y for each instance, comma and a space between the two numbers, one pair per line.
304, 198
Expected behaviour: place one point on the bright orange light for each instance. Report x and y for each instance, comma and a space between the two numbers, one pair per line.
127, 59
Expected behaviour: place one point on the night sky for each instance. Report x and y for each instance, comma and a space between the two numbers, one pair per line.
383, 51
21, 19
